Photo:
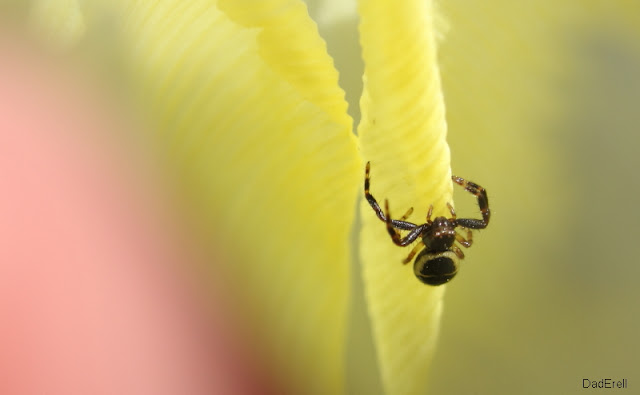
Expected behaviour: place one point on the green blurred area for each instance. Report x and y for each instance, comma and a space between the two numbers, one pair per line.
543, 106
545, 115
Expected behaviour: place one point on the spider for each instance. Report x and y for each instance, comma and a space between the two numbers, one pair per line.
438, 261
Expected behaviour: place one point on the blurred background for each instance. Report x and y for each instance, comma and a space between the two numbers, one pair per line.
544, 114
542, 104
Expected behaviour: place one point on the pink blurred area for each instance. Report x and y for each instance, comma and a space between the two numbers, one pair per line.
96, 292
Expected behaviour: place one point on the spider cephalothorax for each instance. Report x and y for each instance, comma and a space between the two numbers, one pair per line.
437, 262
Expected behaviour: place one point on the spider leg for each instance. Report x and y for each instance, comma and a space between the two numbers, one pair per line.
483, 202
413, 252
395, 235
452, 211
399, 224
458, 252
407, 214
465, 242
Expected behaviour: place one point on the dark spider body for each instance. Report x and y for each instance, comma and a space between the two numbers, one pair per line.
438, 261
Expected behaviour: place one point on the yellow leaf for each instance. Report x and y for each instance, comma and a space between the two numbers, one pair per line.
250, 111
402, 133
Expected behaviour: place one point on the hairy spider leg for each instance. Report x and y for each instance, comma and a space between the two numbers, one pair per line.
457, 251
407, 214
395, 235
483, 203
452, 211
399, 224
465, 242
413, 252
459, 238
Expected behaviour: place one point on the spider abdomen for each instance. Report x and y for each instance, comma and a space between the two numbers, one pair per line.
435, 268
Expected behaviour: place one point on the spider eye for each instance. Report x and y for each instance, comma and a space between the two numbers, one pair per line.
436, 268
